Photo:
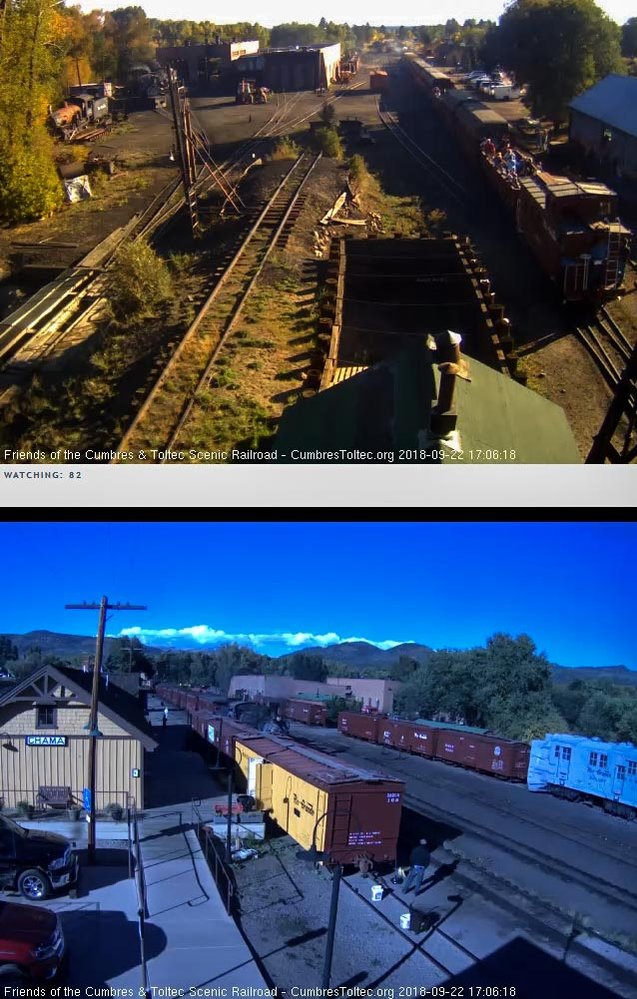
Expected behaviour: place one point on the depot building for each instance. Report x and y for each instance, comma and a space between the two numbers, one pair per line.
44, 740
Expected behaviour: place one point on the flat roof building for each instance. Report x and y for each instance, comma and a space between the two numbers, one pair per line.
293, 68
194, 62
376, 694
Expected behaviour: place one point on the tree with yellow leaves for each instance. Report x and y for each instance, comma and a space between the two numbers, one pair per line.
29, 185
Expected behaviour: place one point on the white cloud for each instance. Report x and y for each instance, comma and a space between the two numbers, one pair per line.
203, 634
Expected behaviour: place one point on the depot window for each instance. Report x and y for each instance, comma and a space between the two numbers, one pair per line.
593, 760
603, 760
46, 716
632, 768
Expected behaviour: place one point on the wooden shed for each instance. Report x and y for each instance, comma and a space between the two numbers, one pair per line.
44, 739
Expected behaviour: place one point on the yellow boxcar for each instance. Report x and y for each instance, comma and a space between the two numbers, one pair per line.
347, 813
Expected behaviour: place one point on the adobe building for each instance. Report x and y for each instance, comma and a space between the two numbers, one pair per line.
377, 695
44, 739
194, 63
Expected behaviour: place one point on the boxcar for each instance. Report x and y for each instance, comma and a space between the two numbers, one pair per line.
486, 753
379, 81
207, 724
180, 697
229, 731
349, 814
310, 712
360, 726
415, 738
191, 701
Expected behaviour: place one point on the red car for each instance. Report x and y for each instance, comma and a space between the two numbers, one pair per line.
31, 941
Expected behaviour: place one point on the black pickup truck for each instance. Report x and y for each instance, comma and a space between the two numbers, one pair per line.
34, 863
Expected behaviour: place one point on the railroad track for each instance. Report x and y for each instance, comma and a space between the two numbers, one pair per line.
32, 333
608, 346
160, 424
438, 174
554, 866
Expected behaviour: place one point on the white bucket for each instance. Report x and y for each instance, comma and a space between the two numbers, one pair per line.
405, 920
377, 893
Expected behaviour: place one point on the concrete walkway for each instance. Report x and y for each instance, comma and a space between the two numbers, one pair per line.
204, 946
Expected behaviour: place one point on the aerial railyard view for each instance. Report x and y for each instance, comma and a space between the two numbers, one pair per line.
323, 791
326, 242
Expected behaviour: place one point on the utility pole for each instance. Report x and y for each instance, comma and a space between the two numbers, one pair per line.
183, 136
93, 730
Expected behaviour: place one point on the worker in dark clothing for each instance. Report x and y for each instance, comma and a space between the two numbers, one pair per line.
165, 718
419, 862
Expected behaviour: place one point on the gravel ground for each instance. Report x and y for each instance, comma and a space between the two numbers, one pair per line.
284, 912
285, 905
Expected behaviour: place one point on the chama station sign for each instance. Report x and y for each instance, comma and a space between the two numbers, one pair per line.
45, 740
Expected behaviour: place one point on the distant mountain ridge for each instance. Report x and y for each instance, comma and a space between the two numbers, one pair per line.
354, 655
361, 654
62, 645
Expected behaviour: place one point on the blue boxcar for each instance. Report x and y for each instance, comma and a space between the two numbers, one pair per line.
574, 766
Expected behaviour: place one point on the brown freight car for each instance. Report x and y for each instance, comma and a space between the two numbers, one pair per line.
487, 753
419, 739
206, 724
310, 712
360, 726
192, 701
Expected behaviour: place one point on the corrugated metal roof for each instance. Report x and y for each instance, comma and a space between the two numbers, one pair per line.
302, 762
612, 101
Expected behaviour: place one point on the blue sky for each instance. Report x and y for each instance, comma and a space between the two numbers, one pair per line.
354, 12
284, 586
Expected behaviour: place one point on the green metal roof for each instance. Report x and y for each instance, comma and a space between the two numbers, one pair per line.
449, 725
387, 408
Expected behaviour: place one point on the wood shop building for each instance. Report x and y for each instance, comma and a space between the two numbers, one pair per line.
44, 739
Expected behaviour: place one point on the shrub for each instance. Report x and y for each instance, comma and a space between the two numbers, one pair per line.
285, 149
29, 185
142, 282
328, 142
25, 808
115, 810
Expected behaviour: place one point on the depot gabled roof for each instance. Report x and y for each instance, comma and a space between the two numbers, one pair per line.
115, 704
612, 101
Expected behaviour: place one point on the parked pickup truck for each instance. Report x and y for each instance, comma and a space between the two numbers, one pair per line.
34, 863
31, 944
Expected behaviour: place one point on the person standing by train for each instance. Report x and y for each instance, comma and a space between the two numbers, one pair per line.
165, 718
419, 862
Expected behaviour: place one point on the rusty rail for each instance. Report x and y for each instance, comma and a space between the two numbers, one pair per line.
180, 355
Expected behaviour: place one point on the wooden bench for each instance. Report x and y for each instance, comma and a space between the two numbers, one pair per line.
55, 797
